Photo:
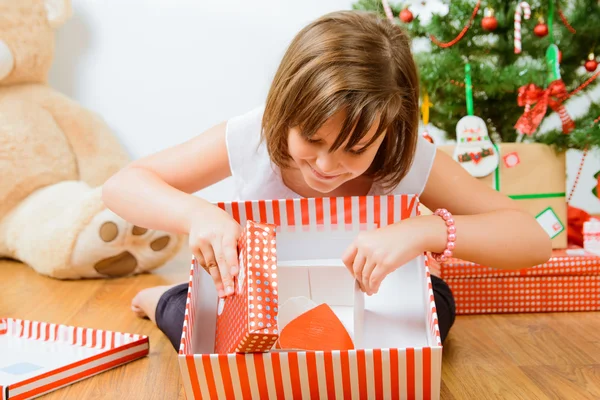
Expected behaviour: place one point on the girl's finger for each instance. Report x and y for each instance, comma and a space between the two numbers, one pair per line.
230, 252
377, 277
200, 259
216, 276
213, 268
358, 265
226, 278
366, 276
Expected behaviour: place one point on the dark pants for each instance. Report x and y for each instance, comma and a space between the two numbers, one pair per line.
171, 310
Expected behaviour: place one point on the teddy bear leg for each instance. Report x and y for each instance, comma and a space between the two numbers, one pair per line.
66, 232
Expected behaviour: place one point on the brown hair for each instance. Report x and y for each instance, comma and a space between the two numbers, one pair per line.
356, 62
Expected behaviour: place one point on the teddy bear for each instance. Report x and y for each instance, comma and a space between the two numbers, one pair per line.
54, 157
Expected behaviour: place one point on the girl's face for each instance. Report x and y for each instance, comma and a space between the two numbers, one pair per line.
325, 171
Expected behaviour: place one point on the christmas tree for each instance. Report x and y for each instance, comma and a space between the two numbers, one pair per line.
503, 71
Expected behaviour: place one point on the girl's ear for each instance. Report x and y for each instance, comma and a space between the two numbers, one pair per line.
58, 11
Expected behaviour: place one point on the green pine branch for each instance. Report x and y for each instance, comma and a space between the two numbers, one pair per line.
585, 135
497, 73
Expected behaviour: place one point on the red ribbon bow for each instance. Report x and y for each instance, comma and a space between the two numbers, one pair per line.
553, 96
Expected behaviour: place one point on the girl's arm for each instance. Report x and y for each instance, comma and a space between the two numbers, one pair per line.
491, 229
154, 192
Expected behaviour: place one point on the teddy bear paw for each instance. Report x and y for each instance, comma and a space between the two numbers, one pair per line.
111, 247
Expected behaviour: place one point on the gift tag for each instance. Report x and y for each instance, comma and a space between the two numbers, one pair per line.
550, 222
474, 149
511, 159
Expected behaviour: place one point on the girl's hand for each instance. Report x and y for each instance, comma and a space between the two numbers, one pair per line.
213, 239
374, 254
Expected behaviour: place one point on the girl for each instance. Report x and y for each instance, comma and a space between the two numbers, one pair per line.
340, 119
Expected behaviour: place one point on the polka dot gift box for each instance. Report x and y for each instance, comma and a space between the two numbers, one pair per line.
247, 321
569, 281
564, 262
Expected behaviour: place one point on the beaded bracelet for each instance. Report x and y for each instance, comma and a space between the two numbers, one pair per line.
450, 244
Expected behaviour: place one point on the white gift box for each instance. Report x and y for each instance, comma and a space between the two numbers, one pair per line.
591, 235
399, 353
38, 357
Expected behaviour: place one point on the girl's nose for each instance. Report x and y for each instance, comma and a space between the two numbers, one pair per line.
327, 163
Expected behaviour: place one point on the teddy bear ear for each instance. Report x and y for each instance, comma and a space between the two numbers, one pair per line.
58, 11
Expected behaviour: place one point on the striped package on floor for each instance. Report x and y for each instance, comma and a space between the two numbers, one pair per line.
38, 357
400, 350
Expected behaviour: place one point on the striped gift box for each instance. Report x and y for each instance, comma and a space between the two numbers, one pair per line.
407, 365
39, 357
325, 213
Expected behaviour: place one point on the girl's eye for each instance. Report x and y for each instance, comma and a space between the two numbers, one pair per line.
357, 152
314, 141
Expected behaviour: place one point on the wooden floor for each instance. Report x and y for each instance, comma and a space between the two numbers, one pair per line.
529, 356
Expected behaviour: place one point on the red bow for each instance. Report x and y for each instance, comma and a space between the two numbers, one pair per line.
553, 96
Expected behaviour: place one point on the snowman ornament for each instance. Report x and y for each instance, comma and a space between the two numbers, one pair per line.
474, 149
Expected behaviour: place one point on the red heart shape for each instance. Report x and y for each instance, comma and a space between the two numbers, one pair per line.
475, 157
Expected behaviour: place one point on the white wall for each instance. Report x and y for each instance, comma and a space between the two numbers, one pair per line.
161, 71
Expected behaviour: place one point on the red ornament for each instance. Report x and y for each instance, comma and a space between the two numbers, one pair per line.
489, 22
406, 15
591, 64
427, 136
541, 29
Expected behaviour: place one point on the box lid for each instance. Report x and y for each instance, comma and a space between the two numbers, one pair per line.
39, 357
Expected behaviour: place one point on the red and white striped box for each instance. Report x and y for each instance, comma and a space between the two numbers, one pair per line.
38, 357
569, 281
246, 321
401, 354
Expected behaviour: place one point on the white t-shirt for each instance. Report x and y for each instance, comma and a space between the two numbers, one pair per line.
255, 177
